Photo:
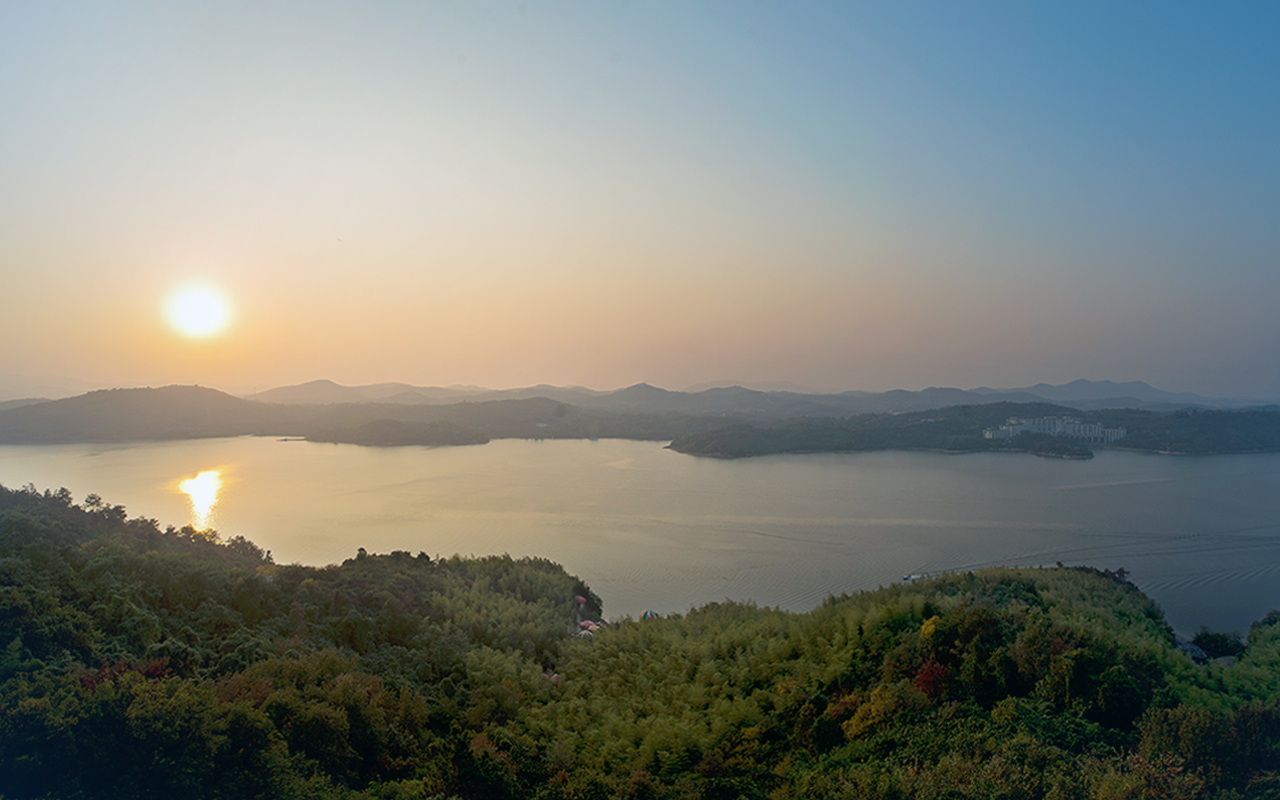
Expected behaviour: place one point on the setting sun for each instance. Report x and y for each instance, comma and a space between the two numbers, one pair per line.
198, 312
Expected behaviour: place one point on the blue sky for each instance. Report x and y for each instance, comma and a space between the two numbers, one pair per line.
841, 195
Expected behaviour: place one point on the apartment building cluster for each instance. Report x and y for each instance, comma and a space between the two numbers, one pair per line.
1056, 426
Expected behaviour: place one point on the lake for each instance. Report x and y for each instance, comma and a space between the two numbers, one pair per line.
648, 528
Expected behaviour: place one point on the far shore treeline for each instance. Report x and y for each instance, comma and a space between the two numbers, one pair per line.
959, 429
694, 424
140, 662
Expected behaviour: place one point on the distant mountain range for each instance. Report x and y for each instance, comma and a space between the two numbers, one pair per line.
26, 388
752, 399
759, 402
735, 420
1094, 393
327, 392
114, 415
193, 412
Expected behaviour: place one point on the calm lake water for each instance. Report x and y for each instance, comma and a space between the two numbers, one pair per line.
648, 528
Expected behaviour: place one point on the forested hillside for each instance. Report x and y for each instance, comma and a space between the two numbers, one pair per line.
137, 662
955, 429
1201, 431
959, 429
193, 412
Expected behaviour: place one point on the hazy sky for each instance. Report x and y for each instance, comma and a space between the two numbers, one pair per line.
842, 195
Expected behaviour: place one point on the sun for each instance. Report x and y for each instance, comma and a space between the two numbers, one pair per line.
198, 311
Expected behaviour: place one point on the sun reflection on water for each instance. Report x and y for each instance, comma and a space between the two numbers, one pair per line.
202, 491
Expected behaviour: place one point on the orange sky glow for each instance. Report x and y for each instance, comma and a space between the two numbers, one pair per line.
849, 197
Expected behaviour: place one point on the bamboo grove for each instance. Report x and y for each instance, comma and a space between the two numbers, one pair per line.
137, 662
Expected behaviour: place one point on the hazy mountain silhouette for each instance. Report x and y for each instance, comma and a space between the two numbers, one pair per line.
16, 387
192, 412
744, 401
327, 409
327, 392
22, 401
759, 386
313, 392
113, 415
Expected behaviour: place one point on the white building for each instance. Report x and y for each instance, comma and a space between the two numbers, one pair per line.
1056, 426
